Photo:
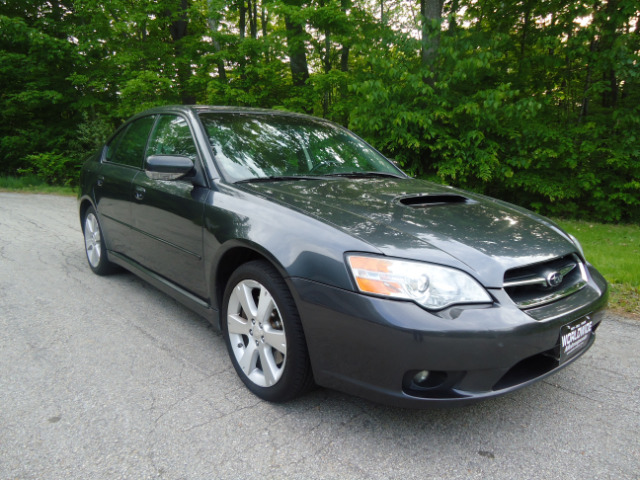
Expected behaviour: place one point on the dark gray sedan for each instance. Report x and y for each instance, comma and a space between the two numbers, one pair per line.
322, 263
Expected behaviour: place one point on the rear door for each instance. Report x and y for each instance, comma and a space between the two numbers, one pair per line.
168, 215
122, 160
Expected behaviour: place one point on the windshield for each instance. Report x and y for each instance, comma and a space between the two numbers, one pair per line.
254, 146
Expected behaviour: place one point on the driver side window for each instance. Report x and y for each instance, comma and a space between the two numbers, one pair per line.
172, 136
127, 148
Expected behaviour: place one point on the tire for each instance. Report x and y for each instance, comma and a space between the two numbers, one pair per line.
263, 333
94, 245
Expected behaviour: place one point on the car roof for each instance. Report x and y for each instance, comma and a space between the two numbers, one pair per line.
223, 109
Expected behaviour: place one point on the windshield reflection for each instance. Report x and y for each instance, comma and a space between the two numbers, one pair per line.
253, 146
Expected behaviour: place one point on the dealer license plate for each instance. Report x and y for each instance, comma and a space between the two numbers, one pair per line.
574, 337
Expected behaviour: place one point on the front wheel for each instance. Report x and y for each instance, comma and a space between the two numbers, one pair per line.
264, 335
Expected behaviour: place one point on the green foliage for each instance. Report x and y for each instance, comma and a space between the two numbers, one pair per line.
56, 169
537, 103
91, 133
146, 89
506, 124
35, 96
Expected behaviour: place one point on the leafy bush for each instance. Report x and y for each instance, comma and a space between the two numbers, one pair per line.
53, 168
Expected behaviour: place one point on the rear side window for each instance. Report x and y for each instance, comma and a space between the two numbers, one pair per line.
127, 148
113, 145
172, 136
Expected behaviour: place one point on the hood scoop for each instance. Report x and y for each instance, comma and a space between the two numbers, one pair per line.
427, 200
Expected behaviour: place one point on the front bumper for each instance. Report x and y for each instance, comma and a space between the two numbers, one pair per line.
373, 347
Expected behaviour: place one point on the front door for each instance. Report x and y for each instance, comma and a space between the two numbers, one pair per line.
168, 215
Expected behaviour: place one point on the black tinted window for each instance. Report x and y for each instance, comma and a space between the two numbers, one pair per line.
130, 145
172, 136
113, 145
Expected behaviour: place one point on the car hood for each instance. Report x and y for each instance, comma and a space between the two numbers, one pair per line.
420, 220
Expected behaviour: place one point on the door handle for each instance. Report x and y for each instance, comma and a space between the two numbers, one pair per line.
139, 193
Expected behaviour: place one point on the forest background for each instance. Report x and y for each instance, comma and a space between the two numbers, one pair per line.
534, 102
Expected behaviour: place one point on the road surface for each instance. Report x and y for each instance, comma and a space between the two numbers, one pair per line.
105, 377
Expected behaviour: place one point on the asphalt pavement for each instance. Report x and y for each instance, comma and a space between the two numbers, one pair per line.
106, 377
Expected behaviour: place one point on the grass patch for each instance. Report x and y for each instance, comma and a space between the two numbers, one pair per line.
615, 251
33, 184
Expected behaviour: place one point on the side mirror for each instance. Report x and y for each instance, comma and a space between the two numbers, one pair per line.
167, 167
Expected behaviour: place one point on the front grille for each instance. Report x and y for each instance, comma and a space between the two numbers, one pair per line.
542, 283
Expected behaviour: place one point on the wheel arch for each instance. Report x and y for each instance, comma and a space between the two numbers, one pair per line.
232, 255
85, 204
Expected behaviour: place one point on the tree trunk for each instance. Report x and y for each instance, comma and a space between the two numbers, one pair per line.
430, 13
253, 18
254, 26
524, 39
264, 21
213, 26
453, 24
178, 30
344, 52
326, 63
611, 18
242, 26
525, 31
297, 51
610, 98
584, 110
326, 58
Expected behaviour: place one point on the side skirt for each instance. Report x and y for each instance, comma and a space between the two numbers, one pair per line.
189, 300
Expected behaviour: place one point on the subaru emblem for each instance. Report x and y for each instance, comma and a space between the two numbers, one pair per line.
554, 279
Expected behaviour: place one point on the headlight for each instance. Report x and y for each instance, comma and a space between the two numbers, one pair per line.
577, 244
431, 286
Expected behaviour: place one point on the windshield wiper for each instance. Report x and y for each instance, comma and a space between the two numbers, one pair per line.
363, 174
277, 178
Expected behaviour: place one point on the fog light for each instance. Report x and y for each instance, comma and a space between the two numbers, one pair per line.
420, 377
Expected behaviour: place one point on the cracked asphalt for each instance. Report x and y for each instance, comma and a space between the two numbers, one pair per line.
109, 378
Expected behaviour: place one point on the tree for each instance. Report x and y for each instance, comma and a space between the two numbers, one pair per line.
37, 99
296, 35
535, 102
430, 19
179, 32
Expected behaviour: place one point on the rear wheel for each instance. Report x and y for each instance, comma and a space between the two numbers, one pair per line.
94, 244
264, 335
